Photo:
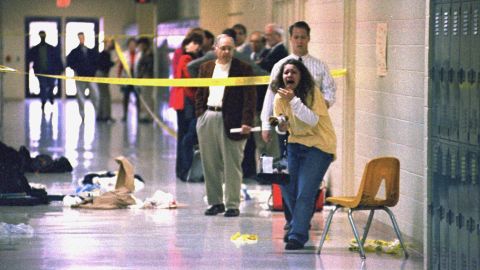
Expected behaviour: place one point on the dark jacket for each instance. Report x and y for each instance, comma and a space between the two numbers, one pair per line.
104, 62
145, 65
238, 105
275, 55
54, 62
83, 65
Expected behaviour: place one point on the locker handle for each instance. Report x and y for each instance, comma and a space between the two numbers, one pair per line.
441, 212
471, 76
459, 221
450, 75
432, 73
441, 73
450, 217
461, 76
470, 225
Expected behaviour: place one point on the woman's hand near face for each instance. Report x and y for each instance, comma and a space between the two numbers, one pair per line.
287, 94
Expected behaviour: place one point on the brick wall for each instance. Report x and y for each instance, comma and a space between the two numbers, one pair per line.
389, 111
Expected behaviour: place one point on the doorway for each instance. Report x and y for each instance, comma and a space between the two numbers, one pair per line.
52, 27
73, 26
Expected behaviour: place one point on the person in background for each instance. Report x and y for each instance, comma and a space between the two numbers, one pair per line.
194, 66
104, 64
179, 51
277, 51
241, 43
259, 52
186, 143
274, 38
177, 102
46, 60
83, 61
207, 44
145, 70
132, 56
311, 144
257, 43
218, 109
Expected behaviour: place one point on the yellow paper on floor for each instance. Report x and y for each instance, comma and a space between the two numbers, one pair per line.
241, 239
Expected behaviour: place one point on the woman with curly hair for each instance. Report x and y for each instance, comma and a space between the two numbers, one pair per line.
311, 144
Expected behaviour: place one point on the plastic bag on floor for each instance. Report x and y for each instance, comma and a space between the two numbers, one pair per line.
22, 230
69, 201
160, 200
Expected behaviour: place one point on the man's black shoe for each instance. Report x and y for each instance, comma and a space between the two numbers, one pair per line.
215, 209
293, 244
232, 213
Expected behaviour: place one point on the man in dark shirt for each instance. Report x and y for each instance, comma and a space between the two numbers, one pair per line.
83, 61
46, 60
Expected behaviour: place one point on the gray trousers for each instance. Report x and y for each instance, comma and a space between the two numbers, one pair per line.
81, 86
147, 94
221, 160
104, 100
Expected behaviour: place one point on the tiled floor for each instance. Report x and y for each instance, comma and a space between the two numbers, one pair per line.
184, 238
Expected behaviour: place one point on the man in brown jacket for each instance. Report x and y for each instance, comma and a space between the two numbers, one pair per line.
218, 109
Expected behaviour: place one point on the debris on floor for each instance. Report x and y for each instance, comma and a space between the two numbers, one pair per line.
244, 239
19, 230
160, 200
371, 245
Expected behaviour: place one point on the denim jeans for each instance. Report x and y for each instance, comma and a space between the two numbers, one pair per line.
306, 166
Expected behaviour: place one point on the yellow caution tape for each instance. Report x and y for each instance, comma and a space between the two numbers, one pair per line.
7, 69
190, 82
123, 61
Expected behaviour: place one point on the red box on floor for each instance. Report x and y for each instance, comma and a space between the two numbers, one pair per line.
278, 204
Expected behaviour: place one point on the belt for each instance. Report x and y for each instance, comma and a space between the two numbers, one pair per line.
214, 108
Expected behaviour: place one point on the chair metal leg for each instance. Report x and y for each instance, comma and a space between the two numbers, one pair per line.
367, 226
397, 230
355, 233
327, 227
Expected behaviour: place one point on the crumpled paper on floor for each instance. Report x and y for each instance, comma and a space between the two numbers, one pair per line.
159, 200
371, 245
243, 239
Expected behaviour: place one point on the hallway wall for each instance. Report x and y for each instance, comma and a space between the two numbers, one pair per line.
116, 14
389, 111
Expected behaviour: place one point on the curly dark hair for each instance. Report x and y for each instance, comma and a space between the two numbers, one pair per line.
305, 86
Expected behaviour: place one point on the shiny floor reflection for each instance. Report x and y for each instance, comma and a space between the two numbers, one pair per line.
150, 239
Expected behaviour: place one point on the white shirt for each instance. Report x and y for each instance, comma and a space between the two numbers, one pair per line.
215, 97
321, 75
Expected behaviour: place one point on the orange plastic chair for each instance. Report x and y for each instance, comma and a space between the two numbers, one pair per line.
376, 171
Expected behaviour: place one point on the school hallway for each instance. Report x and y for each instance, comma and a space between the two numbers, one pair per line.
182, 238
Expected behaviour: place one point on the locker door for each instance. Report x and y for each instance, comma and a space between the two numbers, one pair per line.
443, 60
473, 217
474, 77
465, 66
443, 211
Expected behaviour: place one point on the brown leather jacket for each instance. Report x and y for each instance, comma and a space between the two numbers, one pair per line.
238, 107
